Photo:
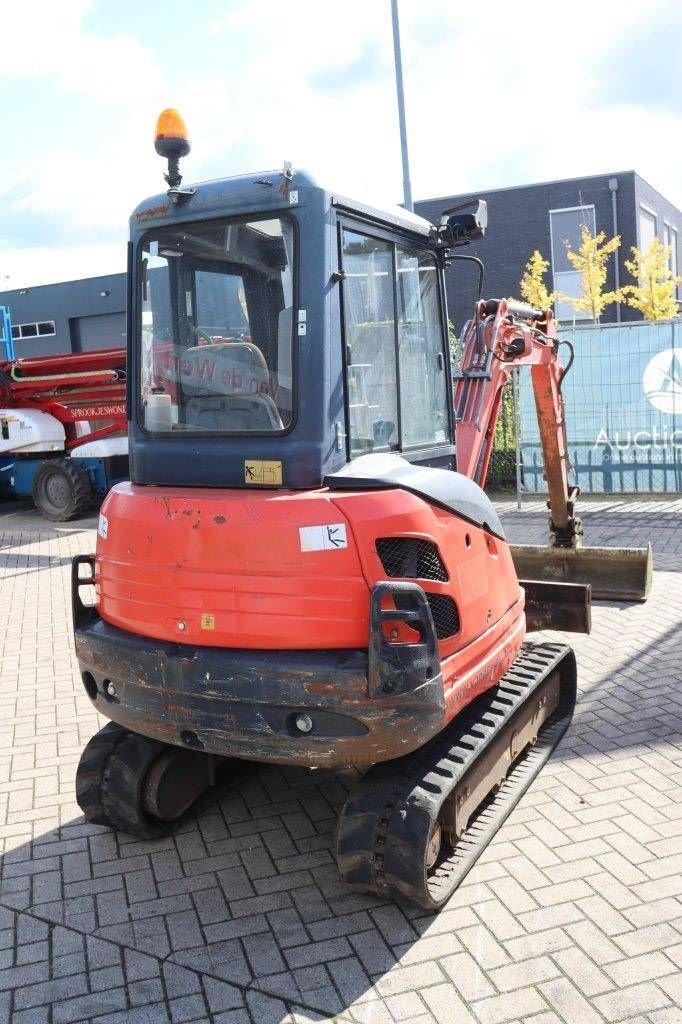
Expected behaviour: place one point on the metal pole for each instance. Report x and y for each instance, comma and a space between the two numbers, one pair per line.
613, 185
407, 187
516, 380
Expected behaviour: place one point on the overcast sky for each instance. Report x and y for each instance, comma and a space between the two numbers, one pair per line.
497, 94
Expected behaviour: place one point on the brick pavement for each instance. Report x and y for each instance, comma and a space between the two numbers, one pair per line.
573, 914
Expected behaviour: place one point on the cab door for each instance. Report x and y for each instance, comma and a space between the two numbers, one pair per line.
397, 389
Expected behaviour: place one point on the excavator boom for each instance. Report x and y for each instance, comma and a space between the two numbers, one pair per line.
502, 335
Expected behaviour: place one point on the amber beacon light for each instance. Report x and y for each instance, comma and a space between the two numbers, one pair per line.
170, 141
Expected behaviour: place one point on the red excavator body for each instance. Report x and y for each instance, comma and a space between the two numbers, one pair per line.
227, 570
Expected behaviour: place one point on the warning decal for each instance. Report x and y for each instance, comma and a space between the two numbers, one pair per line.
323, 538
266, 473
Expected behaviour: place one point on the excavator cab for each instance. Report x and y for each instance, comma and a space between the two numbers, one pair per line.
283, 326
295, 572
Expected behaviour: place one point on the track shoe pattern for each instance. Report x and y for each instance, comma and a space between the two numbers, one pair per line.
393, 838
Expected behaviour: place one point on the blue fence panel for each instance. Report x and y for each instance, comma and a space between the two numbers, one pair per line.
623, 399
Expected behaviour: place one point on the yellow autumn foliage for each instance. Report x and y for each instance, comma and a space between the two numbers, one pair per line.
654, 293
591, 261
533, 288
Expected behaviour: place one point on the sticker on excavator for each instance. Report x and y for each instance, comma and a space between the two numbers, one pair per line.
266, 473
103, 526
207, 621
329, 537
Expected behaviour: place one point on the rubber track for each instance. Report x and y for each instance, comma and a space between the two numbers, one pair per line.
387, 820
90, 772
122, 788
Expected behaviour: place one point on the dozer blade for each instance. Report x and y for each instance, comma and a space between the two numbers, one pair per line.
615, 574
564, 606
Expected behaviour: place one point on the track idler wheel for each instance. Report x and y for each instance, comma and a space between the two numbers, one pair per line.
139, 785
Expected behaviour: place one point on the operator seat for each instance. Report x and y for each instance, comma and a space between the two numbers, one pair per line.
227, 389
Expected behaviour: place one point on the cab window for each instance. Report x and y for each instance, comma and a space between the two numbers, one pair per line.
369, 316
216, 327
423, 411
395, 365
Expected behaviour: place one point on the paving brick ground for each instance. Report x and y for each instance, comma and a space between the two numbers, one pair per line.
574, 914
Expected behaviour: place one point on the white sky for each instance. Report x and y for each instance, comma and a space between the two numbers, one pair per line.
497, 94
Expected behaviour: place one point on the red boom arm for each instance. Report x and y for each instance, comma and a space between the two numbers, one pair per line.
502, 335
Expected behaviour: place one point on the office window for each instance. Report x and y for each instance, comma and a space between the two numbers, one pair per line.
566, 233
44, 329
648, 228
670, 241
673, 256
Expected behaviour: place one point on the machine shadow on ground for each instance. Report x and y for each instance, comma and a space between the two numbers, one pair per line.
246, 892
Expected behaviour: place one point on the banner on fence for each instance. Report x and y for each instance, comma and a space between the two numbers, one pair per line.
623, 399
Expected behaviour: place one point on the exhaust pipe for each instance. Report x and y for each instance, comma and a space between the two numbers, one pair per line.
614, 574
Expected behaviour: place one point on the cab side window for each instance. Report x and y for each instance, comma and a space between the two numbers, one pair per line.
423, 410
395, 366
369, 316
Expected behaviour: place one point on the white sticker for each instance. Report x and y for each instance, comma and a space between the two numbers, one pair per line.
103, 526
302, 314
293, 198
323, 538
302, 329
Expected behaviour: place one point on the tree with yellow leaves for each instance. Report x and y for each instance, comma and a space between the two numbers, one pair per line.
654, 293
591, 261
533, 288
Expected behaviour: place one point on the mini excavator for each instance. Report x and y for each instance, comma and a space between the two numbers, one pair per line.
304, 568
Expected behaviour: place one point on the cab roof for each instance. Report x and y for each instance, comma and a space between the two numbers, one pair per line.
263, 191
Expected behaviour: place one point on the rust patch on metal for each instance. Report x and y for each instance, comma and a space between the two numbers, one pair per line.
178, 711
321, 688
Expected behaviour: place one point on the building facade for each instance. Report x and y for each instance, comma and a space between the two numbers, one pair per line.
546, 217
73, 316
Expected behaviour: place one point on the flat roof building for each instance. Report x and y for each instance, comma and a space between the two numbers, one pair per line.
72, 316
548, 215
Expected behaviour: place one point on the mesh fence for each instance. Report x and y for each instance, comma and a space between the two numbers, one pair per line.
623, 399
502, 466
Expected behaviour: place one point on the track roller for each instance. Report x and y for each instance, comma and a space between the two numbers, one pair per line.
413, 827
139, 785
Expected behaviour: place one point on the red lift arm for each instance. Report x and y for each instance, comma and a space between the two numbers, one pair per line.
74, 388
